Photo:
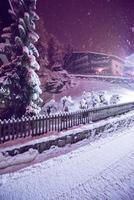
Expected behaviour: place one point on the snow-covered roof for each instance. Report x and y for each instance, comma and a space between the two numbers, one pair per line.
100, 54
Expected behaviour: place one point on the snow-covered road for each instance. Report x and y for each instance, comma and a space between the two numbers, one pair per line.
100, 170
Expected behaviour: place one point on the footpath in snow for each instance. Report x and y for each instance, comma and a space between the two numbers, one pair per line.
100, 170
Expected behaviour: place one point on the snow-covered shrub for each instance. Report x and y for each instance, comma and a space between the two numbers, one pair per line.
66, 103
86, 100
94, 99
89, 100
70, 102
114, 99
63, 101
83, 104
102, 99
86, 95
50, 107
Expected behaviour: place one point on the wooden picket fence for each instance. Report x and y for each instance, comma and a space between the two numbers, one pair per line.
13, 129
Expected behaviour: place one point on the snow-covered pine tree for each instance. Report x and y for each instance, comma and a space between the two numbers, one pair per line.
19, 76
42, 46
56, 53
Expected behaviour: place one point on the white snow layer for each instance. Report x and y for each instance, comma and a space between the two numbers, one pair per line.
101, 170
6, 161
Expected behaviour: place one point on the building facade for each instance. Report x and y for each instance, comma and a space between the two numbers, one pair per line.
94, 63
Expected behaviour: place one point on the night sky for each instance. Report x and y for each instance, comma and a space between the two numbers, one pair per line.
96, 25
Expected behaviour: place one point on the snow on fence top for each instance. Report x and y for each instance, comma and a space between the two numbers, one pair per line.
34, 126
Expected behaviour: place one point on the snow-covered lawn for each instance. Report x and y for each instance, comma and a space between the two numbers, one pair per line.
125, 91
80, 85
100, 170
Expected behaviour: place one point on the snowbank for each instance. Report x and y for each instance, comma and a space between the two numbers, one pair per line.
6, 161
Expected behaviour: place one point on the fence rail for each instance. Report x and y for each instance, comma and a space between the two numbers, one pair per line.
13, 129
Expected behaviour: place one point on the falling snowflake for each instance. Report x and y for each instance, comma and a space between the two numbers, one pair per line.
133, 29
128, 42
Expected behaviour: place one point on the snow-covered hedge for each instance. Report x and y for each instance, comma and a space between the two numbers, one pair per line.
98, 99
86, 101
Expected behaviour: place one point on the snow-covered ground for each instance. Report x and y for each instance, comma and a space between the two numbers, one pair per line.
100, 170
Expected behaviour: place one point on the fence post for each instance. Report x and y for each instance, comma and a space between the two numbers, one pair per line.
43, 125
3, 131
58, 122
0, 131
32, 124
86, 113
50, 120
66, 121
7, 126
71, 117
78, 118
39, 122
17, 128
46, 124
36, 126
55, 120
69, 122
13, 128
28, 126
61, 122
21, 128
88, 121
